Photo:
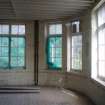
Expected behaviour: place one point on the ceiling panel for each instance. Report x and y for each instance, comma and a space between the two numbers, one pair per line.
42, 9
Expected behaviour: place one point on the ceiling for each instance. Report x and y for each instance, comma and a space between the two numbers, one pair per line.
42, 9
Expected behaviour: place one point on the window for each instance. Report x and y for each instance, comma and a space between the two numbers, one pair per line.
101, 41
12, 46
76, 54
76, 47
54, 46
75, 26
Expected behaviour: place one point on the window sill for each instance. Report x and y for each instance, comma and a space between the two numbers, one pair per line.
99, 82
52, 71
77, 73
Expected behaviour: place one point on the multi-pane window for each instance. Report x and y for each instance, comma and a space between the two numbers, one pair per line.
4, 51
76, 54
54, 46
101, 41
76, 47
12, 46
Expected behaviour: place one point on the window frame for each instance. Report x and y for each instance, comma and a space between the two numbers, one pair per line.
98, 28
10, 36
48, 37
72, 69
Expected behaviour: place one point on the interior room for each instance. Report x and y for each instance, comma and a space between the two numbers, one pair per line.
52, 52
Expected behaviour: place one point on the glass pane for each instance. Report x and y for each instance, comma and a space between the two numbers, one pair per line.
5, 52
58, 62
21, 42
76, 40
14, 29
17, 62
51, 29
59, 29
52, 52
101, 52
55, 52
14, 42
5, 41
14, 52
101, 37
58, 52
4, 61
22, 29
18, 42
14, 62
55, 29
102, 69
17, 52
76, 64
4, 29
74, 52
21, 52
18, 29
52, 42
101, 15
77, 52
21, 62
58, 42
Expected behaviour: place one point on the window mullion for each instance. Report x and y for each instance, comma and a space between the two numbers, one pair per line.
9, 46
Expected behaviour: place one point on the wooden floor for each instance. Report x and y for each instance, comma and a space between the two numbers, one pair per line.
47, 96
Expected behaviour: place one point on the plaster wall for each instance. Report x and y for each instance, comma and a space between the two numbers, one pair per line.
21, 76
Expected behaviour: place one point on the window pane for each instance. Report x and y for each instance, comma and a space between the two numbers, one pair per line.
21, 62
4, 29
4, 50
18, 42
59, 29
22, 29
17, 52
54, 52
58, 42
101, 15
102, 69
4, 41
15, 29
101, 52
4, 62
101, 37
55, 29
21, 51
58, 62
17, 62
58, 52
51, 29
14, 52
18, 29
14, 62
77, 52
